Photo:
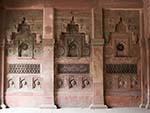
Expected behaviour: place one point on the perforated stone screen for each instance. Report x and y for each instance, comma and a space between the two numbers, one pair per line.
24, 69
121, 68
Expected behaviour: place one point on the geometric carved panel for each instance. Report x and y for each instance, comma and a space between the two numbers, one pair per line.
24, 68
121, 68
73, 68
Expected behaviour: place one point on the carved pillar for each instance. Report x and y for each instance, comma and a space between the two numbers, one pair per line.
48, 59
97, 61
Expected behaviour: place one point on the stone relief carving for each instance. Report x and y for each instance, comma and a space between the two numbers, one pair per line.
121, 32
36, 84
123, 36
11, 84
73, 82
24, 39
60, 83
72, 54
23, 84
121, 27
85, 82
122, 47
72, 43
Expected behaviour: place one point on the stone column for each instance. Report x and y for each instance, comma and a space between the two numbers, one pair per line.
48, 59
97, 60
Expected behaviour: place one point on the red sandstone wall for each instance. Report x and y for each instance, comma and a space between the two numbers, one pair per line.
77, 4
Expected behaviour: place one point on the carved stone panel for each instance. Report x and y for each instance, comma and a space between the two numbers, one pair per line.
72, 43
72, 56
126, 20
122, 54
71, 82
74, 68
24, 33
17, 83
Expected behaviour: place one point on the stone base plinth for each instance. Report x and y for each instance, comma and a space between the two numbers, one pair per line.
147, 106
98, 106
142, 106
3, 106
48, 106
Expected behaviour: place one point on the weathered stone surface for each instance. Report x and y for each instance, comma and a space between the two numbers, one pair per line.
106, 32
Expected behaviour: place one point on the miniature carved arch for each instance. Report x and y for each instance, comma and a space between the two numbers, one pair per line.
121, 26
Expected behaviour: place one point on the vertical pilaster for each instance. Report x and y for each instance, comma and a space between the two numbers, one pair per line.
97, 60
144, 62
48, 59
148, 74
2, 75
146, 87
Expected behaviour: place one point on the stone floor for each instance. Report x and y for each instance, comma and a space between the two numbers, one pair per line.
74, 110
